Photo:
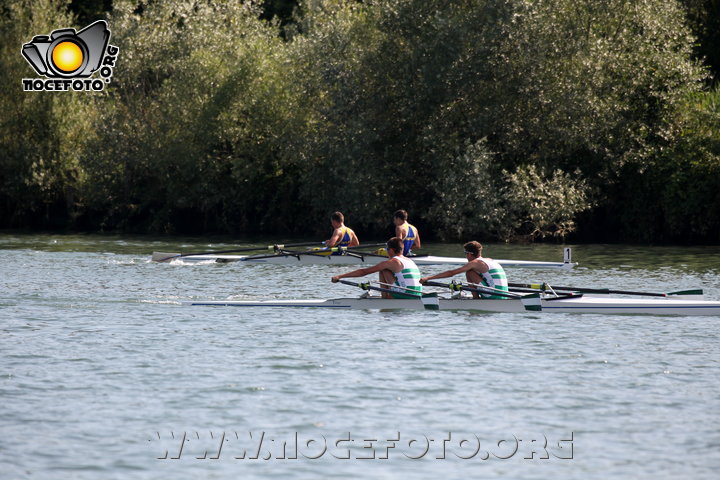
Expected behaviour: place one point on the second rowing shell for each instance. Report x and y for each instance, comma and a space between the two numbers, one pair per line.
313, 259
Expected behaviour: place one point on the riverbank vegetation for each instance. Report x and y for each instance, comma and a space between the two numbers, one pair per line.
488, 119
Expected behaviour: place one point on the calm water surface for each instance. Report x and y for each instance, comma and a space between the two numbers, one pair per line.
104, 375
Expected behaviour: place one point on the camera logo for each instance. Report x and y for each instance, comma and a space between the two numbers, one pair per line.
68, 58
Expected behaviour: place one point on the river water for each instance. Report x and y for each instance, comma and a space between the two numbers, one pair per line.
103, 374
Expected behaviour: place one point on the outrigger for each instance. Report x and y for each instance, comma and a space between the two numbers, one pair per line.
283, 255
532, 298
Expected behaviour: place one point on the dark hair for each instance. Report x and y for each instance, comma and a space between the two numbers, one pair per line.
401, 214
338, 217
473, 247
396, 244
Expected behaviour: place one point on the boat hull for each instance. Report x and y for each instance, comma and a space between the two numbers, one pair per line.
585, 304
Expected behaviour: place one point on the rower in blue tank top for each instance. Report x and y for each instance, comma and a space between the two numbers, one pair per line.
342, 236
407, 233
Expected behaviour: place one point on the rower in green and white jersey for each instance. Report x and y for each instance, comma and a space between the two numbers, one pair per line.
478, 270
399, 273
408, 279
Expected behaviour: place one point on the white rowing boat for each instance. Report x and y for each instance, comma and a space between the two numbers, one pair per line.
580, 304
313, 258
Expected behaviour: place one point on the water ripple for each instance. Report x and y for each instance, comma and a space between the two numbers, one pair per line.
103, 370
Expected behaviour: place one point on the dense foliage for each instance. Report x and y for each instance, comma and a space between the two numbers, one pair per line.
488, 119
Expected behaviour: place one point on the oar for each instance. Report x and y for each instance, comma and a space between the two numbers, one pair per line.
395, 288
557, 296
369, 245
322, 252
363, 254
281, 250
457, 286
372, 254
290, 253
342, 250
366, 245
163, 257
429, 300
604, 291
318, 253
531, 302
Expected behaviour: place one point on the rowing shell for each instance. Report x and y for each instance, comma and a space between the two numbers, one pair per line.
314, 259
584, 304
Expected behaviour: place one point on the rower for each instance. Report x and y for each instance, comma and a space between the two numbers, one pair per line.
478, 270
342, 236
407, 233
397, 270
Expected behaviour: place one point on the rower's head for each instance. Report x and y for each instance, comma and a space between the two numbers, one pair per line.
337, 219
400, 217
473, 248
394, 247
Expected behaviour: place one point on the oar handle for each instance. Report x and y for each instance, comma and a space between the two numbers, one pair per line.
364, 286
454, 286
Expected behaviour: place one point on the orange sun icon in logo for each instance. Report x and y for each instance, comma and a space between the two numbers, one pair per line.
67, 56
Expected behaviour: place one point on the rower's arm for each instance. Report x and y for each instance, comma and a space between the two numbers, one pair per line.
334, 239
361, 272
447, 273
416, 244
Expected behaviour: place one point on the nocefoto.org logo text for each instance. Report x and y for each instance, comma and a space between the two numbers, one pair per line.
68, 59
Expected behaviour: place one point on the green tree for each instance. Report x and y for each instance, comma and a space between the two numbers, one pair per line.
403, 85
490, 118
41, 134
677, 198
188, 140
704, 19
88, 11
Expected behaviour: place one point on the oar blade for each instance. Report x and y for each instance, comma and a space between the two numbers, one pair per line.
431, 301
693, 294
164, 256
532, 302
